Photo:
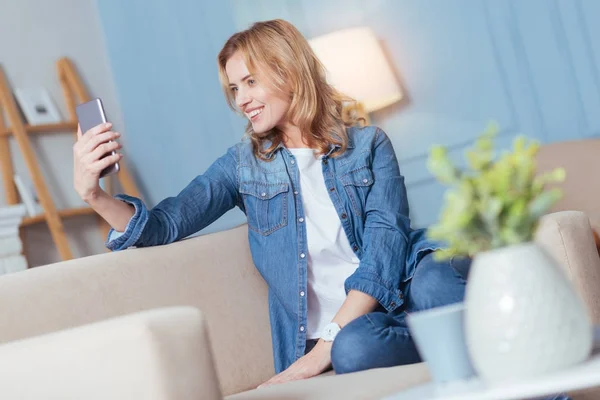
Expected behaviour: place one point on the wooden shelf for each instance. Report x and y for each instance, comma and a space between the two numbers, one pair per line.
66, 213
74, 92
68, 126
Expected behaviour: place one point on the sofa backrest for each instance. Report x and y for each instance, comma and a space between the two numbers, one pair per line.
581, 160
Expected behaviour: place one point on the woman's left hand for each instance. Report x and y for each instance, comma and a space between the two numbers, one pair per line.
312, 364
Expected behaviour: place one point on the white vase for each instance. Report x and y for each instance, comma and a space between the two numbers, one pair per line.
523, 317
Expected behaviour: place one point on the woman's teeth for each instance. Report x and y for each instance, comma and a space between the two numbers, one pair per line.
254, 113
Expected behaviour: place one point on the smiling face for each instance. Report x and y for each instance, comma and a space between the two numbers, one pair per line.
262, 104
270, 73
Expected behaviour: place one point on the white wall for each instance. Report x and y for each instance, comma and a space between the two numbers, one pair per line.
33, 35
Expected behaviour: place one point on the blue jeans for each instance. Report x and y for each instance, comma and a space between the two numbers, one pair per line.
380, 339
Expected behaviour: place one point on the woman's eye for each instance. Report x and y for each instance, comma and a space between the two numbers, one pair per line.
234, 89
251, 81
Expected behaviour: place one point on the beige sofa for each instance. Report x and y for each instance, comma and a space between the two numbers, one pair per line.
581, 159
127, 325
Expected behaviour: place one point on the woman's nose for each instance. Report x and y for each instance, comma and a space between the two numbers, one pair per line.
242, 99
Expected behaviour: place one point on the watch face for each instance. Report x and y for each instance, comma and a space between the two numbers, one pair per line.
330, 332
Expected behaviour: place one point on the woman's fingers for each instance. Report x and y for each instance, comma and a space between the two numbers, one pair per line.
99, 139
91, 133
102, 150
98, 166
87, 141
98, 129
85, 137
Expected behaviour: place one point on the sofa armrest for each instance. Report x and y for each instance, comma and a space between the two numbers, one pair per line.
568, 237
158, 354
213, 273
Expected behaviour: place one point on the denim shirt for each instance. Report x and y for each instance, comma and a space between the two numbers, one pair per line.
368, 194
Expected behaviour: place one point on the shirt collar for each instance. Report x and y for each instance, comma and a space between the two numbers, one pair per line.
332, 147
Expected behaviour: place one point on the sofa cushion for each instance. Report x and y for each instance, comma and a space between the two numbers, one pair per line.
371, 384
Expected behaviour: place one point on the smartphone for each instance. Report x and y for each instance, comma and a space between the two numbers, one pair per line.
91, 114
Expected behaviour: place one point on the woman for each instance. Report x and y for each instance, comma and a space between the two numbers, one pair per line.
326, 193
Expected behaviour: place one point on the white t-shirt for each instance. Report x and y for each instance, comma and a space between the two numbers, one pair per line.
330, 257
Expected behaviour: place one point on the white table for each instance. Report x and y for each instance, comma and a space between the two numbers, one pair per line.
581, 376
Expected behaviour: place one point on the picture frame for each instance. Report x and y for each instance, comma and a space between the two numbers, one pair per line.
37, 106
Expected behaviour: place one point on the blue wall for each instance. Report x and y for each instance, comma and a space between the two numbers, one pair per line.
530, 65
163, 59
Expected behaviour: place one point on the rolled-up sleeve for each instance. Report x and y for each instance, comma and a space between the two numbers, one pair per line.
129, 237
200, 203
387, 226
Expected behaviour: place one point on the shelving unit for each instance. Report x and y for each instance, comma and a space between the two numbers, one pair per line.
74, 93
45, 128
64, 213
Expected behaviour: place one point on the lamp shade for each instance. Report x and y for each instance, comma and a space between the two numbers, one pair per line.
357, 67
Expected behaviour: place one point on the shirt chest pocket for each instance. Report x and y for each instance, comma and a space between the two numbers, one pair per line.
266, 206
357, 184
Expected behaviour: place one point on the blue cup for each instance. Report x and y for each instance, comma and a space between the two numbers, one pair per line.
439, 336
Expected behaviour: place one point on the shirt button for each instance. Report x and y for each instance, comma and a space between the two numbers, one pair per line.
331, 189
355, 248
344, 216
392, 304
293, 162
295, 192
263, 194
301, 328
300, 219
364, 180
302, 255
301, 294
325, 162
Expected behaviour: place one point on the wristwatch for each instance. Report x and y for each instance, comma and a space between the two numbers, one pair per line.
330, 331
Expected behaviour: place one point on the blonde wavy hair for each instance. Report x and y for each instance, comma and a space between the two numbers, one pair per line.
277, 51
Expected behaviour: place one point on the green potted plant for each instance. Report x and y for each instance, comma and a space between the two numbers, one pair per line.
517, 298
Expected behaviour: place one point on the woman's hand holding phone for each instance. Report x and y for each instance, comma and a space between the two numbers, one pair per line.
89, 160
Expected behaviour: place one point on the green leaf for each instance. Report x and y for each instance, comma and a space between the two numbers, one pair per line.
493, 202
543, 202
440, 166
